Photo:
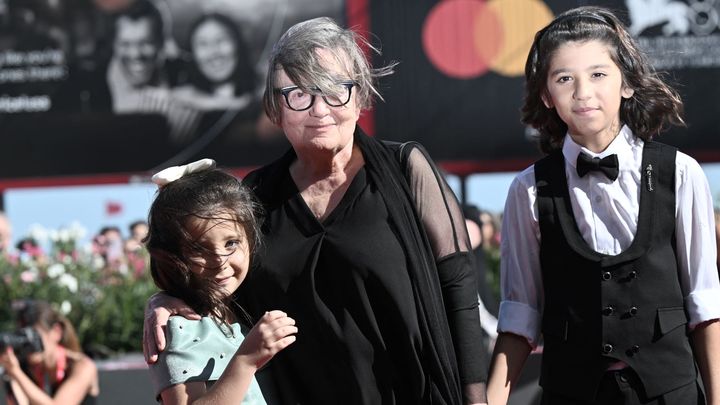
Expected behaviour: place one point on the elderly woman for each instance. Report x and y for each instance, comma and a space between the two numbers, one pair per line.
365, 247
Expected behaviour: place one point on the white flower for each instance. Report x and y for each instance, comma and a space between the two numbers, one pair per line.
85, 249
98, 262
64, 235
68, 281
66, 307
77, 231
38, 232
55, 270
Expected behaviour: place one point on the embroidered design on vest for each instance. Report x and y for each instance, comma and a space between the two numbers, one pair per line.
649, 176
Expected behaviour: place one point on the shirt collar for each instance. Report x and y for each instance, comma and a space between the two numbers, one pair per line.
621, 146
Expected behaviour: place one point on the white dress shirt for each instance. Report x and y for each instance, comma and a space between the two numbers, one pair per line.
606, 213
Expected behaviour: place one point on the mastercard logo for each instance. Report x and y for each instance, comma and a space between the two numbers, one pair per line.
465, 39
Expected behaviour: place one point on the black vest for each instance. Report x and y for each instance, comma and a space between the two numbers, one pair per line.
601, 308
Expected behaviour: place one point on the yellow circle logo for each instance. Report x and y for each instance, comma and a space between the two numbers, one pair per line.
464, 39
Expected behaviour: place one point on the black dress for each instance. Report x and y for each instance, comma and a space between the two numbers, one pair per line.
346, 283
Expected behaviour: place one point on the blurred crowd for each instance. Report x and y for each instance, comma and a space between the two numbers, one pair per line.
109, 250
114, 252
100, 281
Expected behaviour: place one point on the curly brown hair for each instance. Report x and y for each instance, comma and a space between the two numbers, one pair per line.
654, 104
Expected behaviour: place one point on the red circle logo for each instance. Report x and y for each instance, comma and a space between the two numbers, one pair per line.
465, 39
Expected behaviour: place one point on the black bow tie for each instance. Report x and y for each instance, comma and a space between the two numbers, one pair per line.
608, 165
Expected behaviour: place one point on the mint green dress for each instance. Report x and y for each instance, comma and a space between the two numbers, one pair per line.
198, 351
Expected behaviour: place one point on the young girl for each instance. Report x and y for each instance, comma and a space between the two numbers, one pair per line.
60, 373
203, 231
608, 247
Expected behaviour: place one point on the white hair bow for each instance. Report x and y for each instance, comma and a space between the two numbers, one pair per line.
173, 173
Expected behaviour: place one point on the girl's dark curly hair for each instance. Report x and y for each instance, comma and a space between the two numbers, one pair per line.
654, 104
210, 194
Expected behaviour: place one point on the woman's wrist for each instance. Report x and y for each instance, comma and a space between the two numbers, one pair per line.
12, 372
4, 375
247, 363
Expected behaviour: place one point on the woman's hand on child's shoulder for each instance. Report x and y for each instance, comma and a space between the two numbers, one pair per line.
160, 306
272, 333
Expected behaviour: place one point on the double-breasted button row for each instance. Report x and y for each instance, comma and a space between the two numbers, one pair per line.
610, 310
608, 348
607, 276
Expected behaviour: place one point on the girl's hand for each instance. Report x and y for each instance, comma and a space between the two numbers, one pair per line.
272, 333
9, 362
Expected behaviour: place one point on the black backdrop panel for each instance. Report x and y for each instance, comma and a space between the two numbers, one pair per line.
478, 118
67, 110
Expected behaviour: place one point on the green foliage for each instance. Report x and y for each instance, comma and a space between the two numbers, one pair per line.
105, 305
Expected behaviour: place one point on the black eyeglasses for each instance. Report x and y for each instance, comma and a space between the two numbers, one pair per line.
298, 100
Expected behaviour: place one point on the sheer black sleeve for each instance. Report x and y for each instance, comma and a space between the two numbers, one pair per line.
444, 224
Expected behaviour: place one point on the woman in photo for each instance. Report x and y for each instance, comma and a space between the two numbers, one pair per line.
221, 76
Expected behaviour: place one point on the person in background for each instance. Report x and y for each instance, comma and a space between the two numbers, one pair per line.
491, 235
490, 230
608, 247
221, 74
138, 59
108, 246
222, 78
30, 251
57, 374
203, 233
366, 246
485, 296
140, 73
138, 231
5, 234
135, 252
88, 52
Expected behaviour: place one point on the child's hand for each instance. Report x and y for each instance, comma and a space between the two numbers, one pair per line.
272, 333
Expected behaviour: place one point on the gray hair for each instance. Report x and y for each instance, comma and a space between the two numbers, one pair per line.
295, 53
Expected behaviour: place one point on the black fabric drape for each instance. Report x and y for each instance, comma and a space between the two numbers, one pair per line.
384, 168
